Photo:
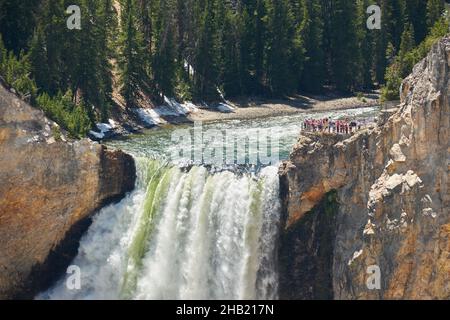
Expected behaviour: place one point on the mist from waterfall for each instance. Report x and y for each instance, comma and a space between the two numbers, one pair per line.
183, 234
190, 233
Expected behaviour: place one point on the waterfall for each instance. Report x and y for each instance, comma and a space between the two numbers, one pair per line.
183, 234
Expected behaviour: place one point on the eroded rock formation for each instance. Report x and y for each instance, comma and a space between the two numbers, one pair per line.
392, 200
48, 188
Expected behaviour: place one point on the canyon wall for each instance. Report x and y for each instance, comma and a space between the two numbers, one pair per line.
381, 199
49, 187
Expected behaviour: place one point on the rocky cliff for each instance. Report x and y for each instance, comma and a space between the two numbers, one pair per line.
49, 187
375, 204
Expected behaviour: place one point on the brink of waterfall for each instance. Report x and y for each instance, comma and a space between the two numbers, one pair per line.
183, 235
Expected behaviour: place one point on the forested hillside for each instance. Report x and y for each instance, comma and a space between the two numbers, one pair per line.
204, 49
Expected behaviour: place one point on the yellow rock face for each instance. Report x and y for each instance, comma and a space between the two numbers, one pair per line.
46, 189
393, 190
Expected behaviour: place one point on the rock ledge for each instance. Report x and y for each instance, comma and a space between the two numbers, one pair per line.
49, 187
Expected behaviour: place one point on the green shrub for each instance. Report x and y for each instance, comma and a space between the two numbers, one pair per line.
61, 109
16, 72
405, 61
391, 91
183, 89
56, 131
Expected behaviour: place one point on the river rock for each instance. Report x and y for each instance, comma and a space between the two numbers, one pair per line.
49, 187
391, 194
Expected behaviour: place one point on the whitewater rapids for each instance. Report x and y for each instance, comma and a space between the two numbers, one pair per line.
183, 235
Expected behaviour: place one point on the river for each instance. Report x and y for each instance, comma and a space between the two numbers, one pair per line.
202, 222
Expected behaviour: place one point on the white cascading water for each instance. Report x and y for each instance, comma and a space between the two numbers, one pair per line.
183, 235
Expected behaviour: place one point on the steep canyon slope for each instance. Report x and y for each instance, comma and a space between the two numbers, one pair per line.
48, 188
379, 199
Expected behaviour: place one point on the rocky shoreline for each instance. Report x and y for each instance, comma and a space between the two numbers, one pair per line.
303, 104
170, 114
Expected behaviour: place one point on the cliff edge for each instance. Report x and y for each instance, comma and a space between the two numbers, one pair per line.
375, 204
49, 187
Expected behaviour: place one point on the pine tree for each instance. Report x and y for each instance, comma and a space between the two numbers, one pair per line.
164, 60
390, 53
146, 26
312, 78
381, 40
406, 45
202, 48
246, 46
3, 51
50, 60
17, 22
365, 56
15, 72
343, 43
279, 48
414, 12
231, 66
134, 77
297, 36
408, 41
38, 58
401, 66
206, 65
435, 8
260, 35
88, 74
108, 26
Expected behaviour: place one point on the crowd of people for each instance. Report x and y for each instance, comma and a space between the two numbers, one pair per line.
333, 126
